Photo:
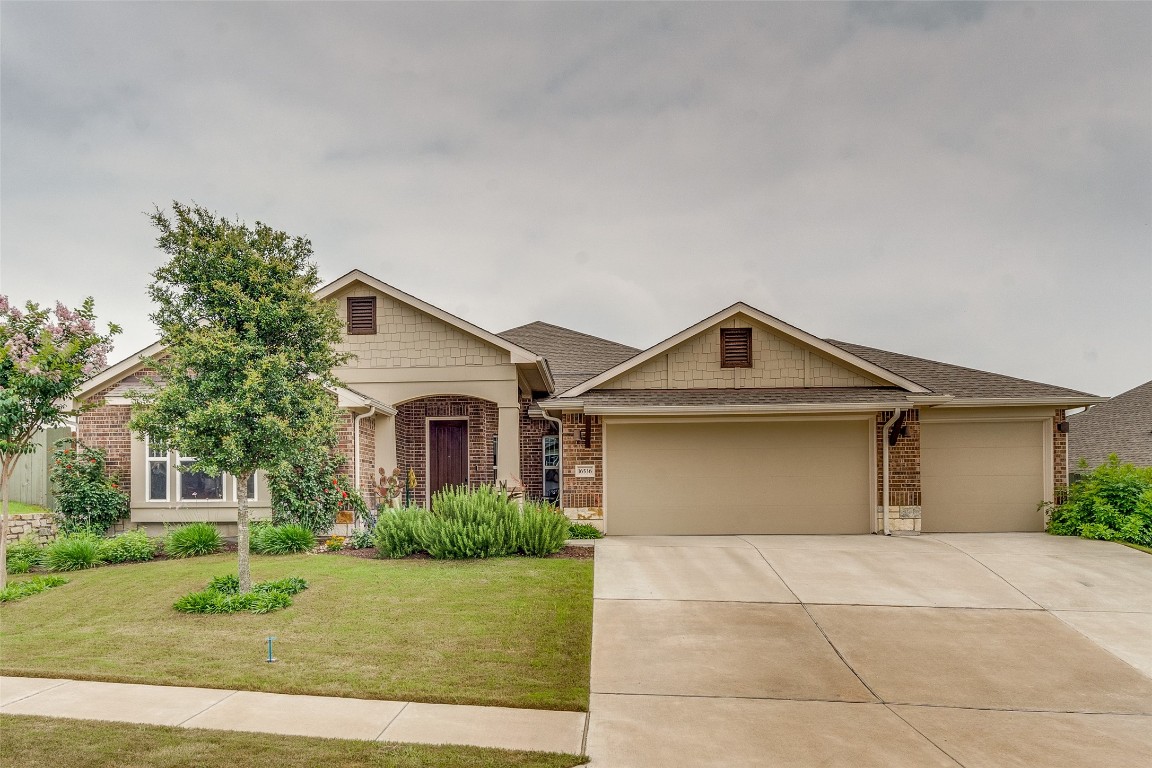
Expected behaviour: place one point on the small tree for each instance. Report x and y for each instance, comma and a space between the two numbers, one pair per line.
47, 355
248, 353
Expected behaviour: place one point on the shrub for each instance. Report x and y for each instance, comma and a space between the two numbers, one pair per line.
1113, 502
287, 539
584, 531
24, 555
86, 498
222, 595
334, 544
128, 547
35, 585
397, 532
193, 540
464, 523
311, 490
362, 539
74, 552
543, 529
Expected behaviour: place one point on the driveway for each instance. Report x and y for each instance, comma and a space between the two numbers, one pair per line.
938, 650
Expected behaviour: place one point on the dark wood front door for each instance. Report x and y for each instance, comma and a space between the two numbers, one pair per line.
447, 454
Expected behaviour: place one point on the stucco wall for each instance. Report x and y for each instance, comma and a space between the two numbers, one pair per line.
776, 362
408, 338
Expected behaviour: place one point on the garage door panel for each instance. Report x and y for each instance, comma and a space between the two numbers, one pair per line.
982, 476
738, 477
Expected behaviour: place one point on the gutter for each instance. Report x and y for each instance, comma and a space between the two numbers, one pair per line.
356, 443
896, 414
1055, 402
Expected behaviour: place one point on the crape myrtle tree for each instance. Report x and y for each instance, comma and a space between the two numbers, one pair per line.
47, 356
248, 352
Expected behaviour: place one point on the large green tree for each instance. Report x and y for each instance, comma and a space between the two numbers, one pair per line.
248, 351
47, 356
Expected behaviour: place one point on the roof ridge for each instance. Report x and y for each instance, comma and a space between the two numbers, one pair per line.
568, 330
842, 344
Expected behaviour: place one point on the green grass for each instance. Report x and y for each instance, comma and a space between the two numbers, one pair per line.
20, 508
510, 632
1140, 547
64, 743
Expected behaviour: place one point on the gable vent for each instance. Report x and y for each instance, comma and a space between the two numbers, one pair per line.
361, 315
735, 347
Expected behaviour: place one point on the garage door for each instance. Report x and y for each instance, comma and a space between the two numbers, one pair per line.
982, 476
737, 477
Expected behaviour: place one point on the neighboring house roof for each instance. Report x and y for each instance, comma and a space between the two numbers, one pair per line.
740, 308
1123, 426
573, 357
961, 382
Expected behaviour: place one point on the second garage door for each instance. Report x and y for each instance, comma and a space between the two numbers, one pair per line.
982, 476
737, 477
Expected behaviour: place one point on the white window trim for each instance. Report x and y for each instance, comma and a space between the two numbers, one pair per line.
180, 459
149, 460
235, 481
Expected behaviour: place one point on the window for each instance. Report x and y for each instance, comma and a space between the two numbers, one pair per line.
551, 461
199, 486
251, 488
158, 464
361, 315
735, 347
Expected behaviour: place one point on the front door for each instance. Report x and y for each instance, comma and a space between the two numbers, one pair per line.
447, 454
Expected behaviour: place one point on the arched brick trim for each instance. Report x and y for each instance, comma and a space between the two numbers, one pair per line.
411, 436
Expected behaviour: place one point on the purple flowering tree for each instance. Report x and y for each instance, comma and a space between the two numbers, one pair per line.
47, 355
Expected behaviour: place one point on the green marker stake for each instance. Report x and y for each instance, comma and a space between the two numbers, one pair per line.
271, 658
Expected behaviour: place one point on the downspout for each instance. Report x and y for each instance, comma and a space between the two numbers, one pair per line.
560, 455
356, 444
887, 428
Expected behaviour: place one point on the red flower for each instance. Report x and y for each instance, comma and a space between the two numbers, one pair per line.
344, 494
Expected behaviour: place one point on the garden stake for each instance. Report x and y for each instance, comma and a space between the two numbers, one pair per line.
270, 657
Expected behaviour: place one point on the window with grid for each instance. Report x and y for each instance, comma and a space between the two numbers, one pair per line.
158, 464
735, 347
361, 315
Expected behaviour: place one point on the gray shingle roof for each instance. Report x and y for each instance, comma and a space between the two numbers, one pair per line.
947, 379
749, 396
572, 356
1123, 426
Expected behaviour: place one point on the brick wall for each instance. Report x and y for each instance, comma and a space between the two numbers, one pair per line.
532, 450
411, 436
346, 446
582, 492
106, 427
1059, 460
903, 462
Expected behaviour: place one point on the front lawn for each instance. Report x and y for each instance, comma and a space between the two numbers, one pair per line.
510, 632
64, 743
20, 508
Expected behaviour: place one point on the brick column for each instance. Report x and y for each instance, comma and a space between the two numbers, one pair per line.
903, 475
583, 438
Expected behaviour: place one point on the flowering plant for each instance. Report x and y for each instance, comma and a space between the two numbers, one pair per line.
311, 489
86, 498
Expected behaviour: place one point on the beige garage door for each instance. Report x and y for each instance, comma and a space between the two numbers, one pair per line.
737, 477
982, 476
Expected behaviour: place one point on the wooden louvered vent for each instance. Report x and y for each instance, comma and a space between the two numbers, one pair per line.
361, 315
735, 347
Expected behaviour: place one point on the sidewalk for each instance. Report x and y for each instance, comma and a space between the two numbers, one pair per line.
323, 716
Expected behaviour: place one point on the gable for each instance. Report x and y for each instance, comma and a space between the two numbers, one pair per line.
407, 337
777, 361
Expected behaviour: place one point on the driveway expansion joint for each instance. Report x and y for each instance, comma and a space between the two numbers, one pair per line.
210, 706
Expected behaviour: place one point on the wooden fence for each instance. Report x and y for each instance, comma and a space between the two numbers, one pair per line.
30, 482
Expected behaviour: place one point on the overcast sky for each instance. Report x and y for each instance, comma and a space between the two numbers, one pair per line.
969, 183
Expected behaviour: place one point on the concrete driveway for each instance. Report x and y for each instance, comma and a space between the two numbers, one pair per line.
937, 650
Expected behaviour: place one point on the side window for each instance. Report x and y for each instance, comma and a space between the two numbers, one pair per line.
199, 486
158, 471
551, 454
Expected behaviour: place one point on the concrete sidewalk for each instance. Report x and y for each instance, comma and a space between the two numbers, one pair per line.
322, 716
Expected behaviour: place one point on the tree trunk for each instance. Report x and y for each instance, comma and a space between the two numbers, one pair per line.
245, 567
6, 468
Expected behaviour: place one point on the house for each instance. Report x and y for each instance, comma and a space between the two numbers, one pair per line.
1122, 425
738, 424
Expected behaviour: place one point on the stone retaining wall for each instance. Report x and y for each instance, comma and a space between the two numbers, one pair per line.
41, 525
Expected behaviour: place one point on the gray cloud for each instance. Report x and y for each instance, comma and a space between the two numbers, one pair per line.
966, 182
